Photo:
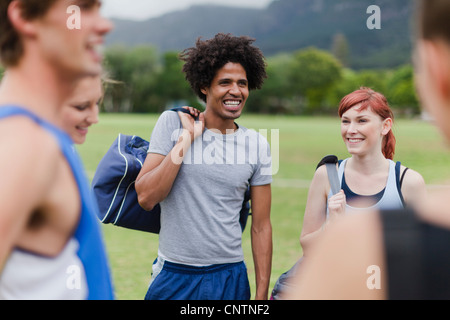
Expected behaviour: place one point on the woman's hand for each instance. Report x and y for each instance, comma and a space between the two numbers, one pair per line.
336, 204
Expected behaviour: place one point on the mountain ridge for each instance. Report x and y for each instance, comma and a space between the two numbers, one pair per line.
284, 26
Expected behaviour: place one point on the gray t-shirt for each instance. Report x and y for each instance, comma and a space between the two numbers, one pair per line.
200, 217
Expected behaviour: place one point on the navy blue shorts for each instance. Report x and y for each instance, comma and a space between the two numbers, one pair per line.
216, 282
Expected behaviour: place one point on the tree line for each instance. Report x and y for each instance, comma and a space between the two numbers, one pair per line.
306, 82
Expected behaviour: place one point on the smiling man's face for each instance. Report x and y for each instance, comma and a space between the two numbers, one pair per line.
228, 92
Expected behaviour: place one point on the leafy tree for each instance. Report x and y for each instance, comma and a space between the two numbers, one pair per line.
307, 81
143, 61
171, 85
115, 96
135, 69
353, 80
276, 93
401, 90
341, 49
314, 73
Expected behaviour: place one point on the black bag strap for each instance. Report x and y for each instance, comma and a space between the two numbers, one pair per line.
403, 177
184, 111
399, 179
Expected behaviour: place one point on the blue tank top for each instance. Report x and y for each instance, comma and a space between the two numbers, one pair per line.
87, 239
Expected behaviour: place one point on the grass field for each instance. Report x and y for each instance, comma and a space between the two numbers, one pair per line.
303, 141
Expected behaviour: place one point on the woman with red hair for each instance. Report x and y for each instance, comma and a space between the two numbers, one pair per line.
369, 178
395, 254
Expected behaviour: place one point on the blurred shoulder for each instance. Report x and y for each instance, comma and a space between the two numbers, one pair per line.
27, 141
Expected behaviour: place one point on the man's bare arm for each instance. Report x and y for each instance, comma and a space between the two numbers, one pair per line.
262, 238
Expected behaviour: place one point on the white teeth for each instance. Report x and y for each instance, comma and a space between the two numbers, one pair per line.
355, 140
232, 103
97, 48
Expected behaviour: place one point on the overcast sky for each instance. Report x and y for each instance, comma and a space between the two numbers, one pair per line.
144, 9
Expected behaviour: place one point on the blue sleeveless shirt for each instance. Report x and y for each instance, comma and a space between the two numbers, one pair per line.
86, 242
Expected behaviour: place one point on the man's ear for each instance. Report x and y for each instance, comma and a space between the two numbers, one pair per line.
204, 91
20, 24
438, 64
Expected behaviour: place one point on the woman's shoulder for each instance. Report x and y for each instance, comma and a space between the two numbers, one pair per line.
413, 187
411, 176
321, 177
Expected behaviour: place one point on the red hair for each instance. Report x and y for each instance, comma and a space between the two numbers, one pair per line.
378, 103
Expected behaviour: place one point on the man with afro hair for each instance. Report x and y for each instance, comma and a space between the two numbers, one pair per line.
203, 61
199, 172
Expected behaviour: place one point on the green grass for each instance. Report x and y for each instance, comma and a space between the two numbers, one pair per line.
303, 142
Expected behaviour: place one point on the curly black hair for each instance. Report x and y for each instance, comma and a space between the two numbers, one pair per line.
204, 60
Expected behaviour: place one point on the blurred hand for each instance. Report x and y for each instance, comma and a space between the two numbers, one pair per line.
336, 204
